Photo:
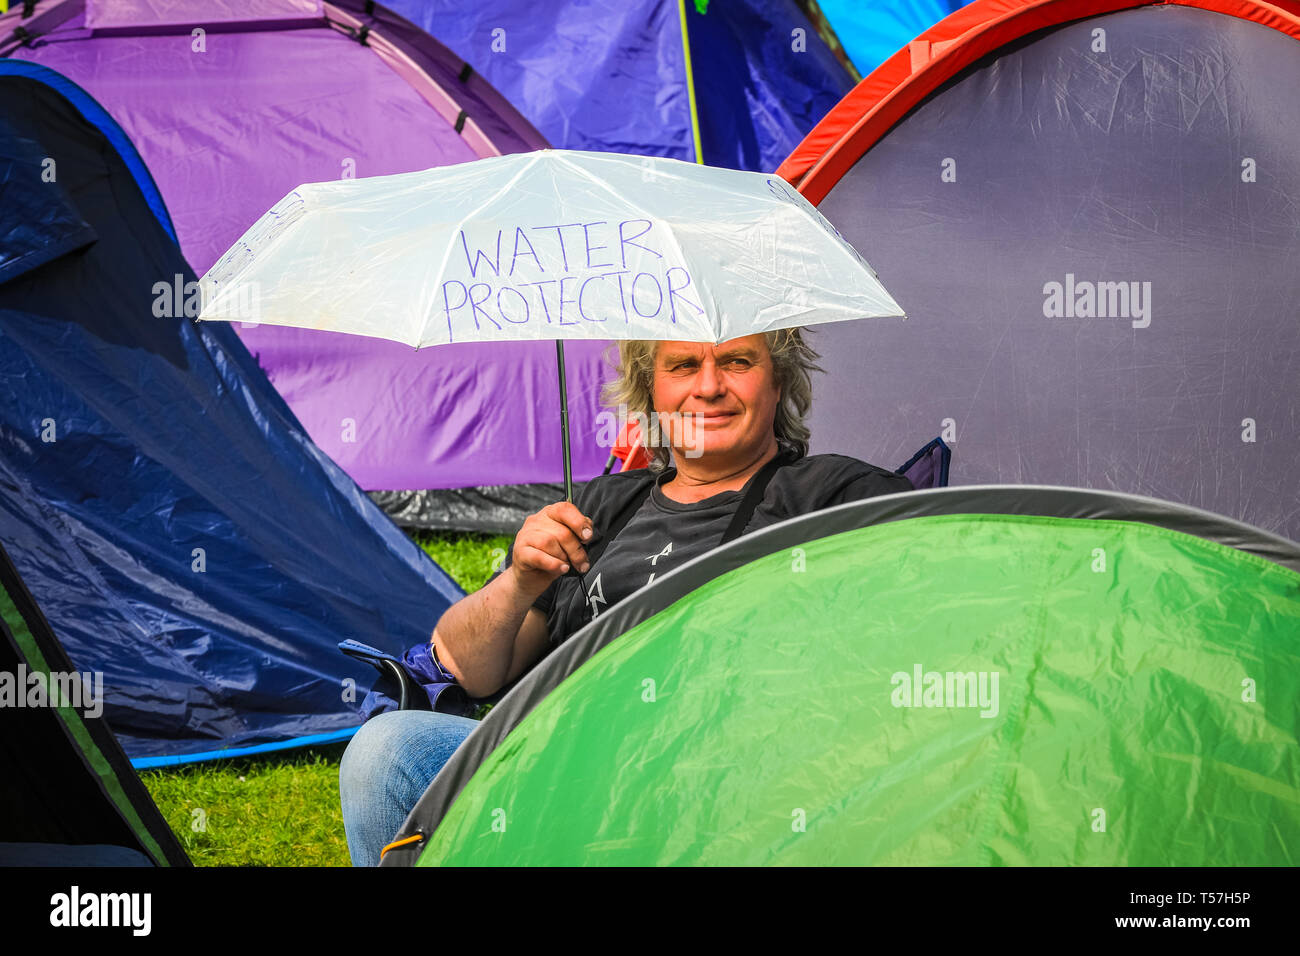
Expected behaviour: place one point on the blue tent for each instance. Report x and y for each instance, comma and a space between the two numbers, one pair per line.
173, 521
735, 83
874, 30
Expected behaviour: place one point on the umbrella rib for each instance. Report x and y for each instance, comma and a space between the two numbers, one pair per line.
428, 316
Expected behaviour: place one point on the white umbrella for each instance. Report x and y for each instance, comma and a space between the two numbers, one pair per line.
553, 244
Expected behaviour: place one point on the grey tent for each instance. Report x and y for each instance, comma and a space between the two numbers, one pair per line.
1091, 214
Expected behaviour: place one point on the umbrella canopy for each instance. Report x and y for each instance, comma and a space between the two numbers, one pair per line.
553, 244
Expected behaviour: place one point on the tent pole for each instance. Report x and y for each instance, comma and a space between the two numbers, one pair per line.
564, 421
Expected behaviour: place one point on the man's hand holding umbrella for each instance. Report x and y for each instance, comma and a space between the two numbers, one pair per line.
490, 637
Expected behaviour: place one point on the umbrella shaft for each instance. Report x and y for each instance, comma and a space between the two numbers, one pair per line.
564, 422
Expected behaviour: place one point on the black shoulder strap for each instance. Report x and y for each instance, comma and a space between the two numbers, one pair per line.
754, 495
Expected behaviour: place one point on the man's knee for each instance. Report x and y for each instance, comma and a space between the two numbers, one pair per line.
398, 747
377, 745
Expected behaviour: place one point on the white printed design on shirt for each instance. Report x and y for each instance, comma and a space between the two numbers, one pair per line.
654, 560
596, 595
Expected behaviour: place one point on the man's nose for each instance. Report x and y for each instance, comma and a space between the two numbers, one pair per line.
709, 383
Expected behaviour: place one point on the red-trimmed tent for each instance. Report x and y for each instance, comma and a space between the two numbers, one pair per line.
947, 48
1090, 210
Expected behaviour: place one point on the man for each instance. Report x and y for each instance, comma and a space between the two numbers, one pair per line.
733, 417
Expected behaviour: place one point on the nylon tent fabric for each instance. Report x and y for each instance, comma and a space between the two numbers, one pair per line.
70, 796
977, 676
277, 93
615, 76
176, 526
874, 30
1093, 228
487, 509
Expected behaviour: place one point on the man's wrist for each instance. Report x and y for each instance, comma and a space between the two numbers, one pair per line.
525, 592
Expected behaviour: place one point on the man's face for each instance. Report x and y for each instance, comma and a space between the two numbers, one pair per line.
725, 395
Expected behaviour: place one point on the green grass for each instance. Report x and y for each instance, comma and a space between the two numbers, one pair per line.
283, 809
278, 810
468, 558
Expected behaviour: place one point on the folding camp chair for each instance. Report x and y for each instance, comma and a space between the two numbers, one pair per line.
928, 468
628, 449
414, 681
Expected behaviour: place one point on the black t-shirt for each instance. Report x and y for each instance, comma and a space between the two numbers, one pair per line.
664, 534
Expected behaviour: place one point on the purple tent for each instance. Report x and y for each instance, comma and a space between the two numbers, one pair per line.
1092, 219
734, 83
232, 105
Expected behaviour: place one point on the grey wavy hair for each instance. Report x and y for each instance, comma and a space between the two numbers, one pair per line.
793, 362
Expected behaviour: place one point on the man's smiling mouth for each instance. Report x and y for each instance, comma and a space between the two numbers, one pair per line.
716, 419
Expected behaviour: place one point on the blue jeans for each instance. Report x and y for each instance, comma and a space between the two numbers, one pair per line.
386, 769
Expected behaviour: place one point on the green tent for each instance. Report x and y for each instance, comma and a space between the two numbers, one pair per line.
70, 796
968, 676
